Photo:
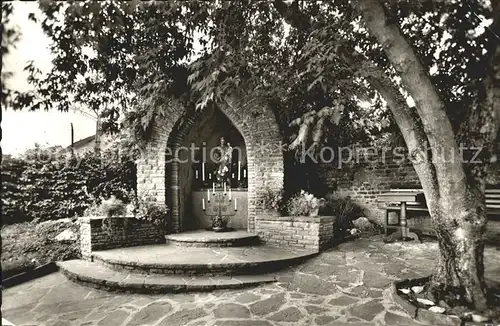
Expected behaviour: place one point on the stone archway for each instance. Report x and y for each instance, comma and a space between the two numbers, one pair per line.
255, 121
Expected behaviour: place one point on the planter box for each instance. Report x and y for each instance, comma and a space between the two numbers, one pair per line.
300, 232
117, 232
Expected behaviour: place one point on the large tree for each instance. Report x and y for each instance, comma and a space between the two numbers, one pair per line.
315, 60
454, 194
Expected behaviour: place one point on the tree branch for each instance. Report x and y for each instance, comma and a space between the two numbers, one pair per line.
407, 120
404, 116
292, 15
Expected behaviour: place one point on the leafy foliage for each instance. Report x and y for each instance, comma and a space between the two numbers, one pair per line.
146, 209
273, 199
112, 207
312, 59
10, 36
344, 209
304, 204
62, 187
12, 198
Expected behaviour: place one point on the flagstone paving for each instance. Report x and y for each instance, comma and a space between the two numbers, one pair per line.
347, 285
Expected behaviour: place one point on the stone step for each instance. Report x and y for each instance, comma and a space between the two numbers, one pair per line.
171, 259
202, 238
98, 276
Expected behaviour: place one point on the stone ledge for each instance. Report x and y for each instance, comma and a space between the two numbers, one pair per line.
122, 231
202, 238
162, 259
422, 315
88, 219
97, 276
309, 219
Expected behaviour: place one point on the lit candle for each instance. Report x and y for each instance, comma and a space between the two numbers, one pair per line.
213, 185
239, 172
244, 173
196, 174
208, 195
229, 193
202, 171
236, 204
224, 187
203, 203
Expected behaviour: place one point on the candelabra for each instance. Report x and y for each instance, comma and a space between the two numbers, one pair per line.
219, 207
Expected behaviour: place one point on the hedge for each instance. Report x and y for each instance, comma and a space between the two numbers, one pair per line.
62, 187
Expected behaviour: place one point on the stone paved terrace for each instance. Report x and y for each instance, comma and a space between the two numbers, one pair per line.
347, 285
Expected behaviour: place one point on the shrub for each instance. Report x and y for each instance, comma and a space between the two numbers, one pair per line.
344, 209
146, 209
273, 199
62, 187
304, 203
13, 199
112, 207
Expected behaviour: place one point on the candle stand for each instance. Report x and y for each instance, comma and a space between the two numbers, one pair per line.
219, 208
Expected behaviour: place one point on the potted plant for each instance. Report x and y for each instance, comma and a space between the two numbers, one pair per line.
304, 204
110, 208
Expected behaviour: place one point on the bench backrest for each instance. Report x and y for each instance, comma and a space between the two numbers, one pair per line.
492, 197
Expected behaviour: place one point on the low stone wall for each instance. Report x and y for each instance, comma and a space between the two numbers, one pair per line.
116, 232
302, 232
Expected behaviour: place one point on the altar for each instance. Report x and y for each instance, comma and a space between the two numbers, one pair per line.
218, 186
199, 220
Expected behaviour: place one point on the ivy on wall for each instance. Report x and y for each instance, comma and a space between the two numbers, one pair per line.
62, 187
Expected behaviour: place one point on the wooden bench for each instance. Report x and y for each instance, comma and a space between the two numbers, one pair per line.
404, 200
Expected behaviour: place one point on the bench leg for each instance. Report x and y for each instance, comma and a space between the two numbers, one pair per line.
403, 232
386, 221
387, 225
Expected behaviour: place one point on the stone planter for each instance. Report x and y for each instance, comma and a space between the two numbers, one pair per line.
300, 232
420, 314
117, 232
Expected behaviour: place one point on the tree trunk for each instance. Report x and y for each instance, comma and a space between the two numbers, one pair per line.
459, 275
456, 208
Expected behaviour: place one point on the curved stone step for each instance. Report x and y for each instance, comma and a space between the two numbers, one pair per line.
170, 259
101, 277
202, 238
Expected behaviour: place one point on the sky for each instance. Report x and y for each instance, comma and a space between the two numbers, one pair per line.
22, 129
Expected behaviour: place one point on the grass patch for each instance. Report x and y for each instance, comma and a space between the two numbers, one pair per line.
30, 244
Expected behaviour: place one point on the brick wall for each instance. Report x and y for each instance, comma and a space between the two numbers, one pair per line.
118, 232
311, 233
364, 181
256, 122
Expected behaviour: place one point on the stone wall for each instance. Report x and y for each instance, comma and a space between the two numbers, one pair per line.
311, 233
117, 232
